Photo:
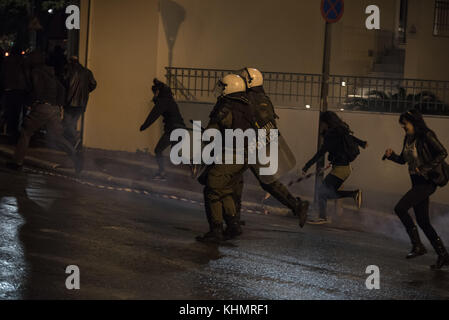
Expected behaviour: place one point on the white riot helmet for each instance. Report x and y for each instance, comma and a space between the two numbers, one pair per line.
252, 76
231, 83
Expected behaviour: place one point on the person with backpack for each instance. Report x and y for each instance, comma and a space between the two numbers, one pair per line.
425, 156
343, 148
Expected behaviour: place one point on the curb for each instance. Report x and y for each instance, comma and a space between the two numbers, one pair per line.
108, 180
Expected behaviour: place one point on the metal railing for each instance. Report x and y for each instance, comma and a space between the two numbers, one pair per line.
303, 90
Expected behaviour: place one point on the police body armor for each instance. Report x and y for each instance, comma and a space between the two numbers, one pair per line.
265, 118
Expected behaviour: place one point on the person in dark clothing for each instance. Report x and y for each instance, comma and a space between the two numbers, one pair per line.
58, 61
15, 92
220, 180
165, 106
336, 135
265, 117
425, 157
79, 83
47, 95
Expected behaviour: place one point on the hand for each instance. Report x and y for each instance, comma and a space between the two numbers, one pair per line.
389, 153
418, 171
366, 145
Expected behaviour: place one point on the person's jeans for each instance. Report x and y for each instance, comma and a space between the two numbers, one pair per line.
70, 123
418, 199
43, 115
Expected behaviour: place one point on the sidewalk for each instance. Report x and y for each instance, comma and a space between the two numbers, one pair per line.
135, 171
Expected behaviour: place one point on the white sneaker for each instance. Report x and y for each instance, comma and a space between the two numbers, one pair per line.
359, 199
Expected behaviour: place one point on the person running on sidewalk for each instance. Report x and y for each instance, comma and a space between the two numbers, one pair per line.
425, 157
48, 97
343, 148
165, 106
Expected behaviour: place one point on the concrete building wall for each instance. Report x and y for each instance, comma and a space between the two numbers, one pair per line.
122, 54
426, 54
128, 45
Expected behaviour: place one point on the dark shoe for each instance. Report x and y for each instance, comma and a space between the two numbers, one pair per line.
441, 262
302, 207
233, 231
79, 162
319, 221
417, 251
160, 177
213, 236
443, 256
14, 166
418, 248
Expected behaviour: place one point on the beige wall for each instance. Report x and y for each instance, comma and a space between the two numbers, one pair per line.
427, 55
352, 41
122, 55
287, 37
283, 36
128, 47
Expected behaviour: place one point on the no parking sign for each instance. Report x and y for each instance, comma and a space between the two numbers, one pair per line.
332, 10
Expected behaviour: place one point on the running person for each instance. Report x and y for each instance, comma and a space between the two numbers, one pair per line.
165, 106
342, 147
425, 157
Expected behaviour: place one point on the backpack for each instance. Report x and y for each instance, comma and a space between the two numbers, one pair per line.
350, 147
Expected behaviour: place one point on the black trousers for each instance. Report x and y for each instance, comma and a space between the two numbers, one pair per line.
164, 143
329, 190
43, 115
14, 102
418, 199
70, 123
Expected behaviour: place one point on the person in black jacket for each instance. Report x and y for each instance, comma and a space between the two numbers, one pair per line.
165, 106
47, 96
336, 133
425, 156
79, 83
15, 90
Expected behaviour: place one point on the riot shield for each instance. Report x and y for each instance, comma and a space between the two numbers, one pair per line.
286, 163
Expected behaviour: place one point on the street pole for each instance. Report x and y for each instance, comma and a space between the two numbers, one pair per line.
323, 102
86, 59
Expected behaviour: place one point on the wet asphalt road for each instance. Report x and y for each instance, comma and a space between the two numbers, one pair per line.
129, 246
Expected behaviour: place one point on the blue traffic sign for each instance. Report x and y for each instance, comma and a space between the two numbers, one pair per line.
332, 10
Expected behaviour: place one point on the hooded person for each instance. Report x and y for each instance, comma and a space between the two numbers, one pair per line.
166, 107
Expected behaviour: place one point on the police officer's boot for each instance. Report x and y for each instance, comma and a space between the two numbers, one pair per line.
215, 235
418, 248
443, 256
233, 228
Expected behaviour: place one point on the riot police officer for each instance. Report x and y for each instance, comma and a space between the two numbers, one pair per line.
265, 117
231, 111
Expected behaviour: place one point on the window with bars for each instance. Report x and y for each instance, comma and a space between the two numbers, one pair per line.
441, 19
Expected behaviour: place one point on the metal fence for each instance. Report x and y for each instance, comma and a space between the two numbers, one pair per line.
303, 90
